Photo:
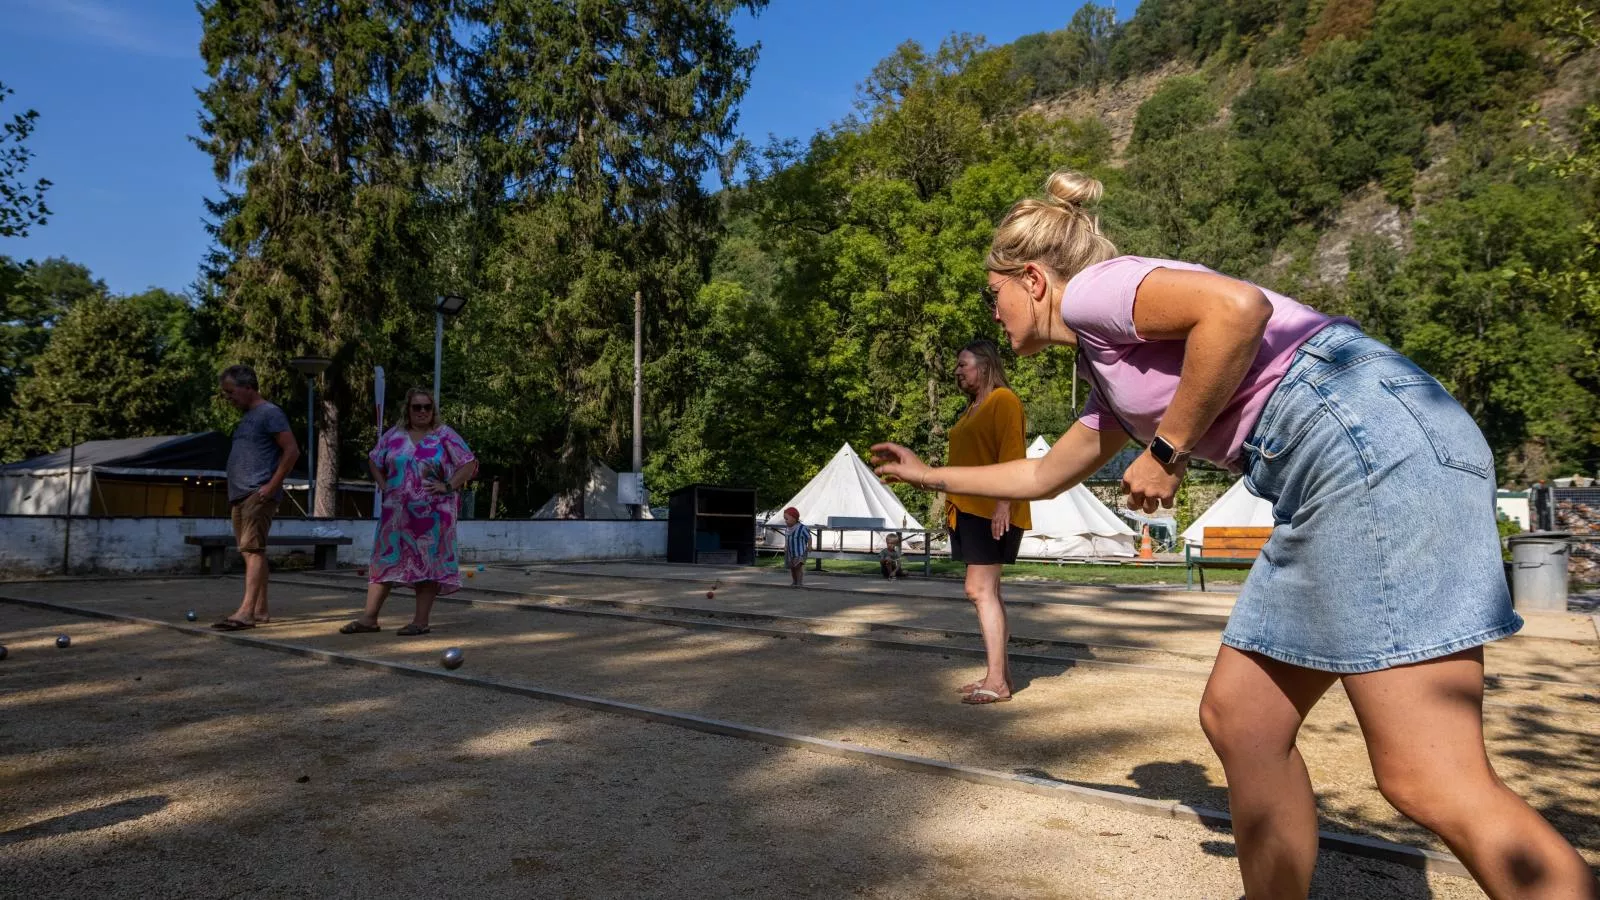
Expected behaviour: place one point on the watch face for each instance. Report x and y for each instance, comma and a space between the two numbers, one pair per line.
1162, 451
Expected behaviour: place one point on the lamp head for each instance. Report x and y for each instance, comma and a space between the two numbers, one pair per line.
310, 366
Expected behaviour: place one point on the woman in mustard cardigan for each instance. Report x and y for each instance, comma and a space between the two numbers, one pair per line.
986, 533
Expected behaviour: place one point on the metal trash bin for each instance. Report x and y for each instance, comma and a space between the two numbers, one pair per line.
1539, 570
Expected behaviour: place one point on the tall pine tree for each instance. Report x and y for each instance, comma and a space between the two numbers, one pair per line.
321, 119
595, 121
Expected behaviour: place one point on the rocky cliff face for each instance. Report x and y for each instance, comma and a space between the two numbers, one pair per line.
1366, 211
1114, 104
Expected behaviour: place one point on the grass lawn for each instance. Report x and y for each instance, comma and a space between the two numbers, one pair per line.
1071, 573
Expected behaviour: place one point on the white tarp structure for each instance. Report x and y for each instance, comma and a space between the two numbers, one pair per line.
1074, 524
1163, 529
165, 475
24, 493
599, 497
845, 488
1514, 506
1238, 508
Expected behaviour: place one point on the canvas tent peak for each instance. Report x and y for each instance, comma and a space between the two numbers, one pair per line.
1073, 524
845, 488
598, 495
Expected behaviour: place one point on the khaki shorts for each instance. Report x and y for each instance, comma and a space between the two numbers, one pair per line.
252, 519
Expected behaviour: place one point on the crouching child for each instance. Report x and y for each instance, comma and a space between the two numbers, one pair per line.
889, 561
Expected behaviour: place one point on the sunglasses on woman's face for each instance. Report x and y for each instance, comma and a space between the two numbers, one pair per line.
422, 407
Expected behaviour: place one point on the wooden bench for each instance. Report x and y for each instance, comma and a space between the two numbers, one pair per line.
214, 546
1224, 548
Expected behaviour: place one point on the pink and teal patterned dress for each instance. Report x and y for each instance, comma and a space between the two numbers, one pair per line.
416, 539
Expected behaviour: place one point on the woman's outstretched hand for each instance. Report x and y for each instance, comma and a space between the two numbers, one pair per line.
894, 463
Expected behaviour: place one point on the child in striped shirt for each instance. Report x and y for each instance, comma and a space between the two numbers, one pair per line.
796, 544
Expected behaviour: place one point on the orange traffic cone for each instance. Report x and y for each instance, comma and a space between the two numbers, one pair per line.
1146, 551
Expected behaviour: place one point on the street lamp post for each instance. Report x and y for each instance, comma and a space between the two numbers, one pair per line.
311, 367
447, 305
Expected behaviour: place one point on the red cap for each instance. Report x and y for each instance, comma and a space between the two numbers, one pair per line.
791, 511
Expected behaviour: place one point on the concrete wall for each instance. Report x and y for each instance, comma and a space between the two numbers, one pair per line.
32, 545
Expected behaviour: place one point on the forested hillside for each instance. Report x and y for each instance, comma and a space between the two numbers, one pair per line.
1425, 166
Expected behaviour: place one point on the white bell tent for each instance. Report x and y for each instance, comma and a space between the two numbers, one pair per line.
1074, 524
1237, 508
845, 488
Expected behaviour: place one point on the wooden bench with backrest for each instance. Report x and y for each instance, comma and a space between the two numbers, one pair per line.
214, 546
1224, 548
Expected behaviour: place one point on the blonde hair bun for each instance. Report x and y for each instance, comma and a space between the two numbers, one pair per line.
1055, 231
1070, 188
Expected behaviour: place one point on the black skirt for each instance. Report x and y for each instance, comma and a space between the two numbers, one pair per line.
973, 543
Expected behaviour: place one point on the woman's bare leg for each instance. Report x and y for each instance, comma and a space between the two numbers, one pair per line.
983, 589
376, 595
1251, 712
1423, 725
427, 592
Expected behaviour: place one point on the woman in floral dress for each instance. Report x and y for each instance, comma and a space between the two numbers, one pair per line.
419, 465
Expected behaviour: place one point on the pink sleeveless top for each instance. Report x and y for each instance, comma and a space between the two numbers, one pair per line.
1134, 379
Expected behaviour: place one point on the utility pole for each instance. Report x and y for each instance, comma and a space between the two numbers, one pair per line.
637, 509
73, 410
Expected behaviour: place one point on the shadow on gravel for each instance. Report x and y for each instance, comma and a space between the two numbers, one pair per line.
87, 819
1186, 782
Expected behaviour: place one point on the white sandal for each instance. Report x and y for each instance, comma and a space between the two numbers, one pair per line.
988, 695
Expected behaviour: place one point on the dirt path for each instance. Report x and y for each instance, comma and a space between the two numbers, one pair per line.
143, 762
1120, 730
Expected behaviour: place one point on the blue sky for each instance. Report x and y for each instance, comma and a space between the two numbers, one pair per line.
114, 84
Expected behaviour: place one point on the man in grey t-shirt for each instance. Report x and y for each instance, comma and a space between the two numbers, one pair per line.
263, 452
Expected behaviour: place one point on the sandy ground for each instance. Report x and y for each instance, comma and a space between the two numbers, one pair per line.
1577, 624
188, 775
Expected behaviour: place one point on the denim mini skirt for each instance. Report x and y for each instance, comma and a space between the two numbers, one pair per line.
1384, 549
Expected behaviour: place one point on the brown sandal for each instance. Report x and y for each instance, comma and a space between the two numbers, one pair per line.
358, 627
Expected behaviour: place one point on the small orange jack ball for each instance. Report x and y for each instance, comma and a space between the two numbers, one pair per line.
711, 595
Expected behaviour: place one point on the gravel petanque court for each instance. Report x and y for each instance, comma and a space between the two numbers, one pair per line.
160, 759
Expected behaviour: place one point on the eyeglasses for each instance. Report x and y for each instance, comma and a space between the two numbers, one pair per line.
991, 294
422, 407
